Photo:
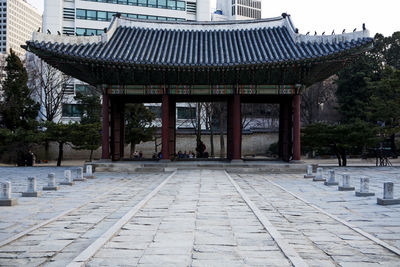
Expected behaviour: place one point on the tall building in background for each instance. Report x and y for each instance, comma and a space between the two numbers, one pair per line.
90, 17
237, 10
18, 20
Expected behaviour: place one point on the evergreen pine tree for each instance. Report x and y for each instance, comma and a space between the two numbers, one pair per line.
18, 109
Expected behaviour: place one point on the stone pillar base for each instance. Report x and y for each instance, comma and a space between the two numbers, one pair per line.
79, 179
364, 194
31, 194
346, 188
50, 188
385, 202
67, 183
331, 183
8, 202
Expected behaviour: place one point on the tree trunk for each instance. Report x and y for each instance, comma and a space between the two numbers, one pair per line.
91, 155
211, 140
60, 153
198, 134
221, 135
335, 149
133, 149
46, 149
344, 159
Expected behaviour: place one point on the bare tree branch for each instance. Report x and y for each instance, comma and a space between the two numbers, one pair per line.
48, 86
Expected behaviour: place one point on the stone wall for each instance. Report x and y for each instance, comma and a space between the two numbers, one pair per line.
252, 144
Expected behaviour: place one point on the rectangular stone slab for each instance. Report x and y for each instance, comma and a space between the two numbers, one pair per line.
79, 180
51, 188
330, 184
346, 188
309, 176
319, 179
67, 183
382, 201
364, 194
31, 194
8, 202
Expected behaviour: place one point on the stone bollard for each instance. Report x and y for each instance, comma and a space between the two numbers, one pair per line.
346, 184
79, 175
319, 177
31, 191
331, 179
5, 197
89, 172
309, 172
67, 179
52, 183
388, 195
364, 188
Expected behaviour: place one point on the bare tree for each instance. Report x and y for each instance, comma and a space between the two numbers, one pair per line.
318, 102
49, 87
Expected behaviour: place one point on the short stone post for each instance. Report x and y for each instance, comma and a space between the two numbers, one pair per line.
52, 183
364, 188
346, 184
319, 177
67, 178
79, 175
331, 179
388, 195
89, 172
5, 195
31, 191
309, 172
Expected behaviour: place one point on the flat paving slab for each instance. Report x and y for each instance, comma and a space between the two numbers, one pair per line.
200, 217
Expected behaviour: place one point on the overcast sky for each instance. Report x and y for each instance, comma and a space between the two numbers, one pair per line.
319, 15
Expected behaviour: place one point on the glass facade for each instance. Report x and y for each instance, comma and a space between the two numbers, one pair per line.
107, 16
71, 110
169, 4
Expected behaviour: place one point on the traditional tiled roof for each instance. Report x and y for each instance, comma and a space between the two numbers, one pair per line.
200, 44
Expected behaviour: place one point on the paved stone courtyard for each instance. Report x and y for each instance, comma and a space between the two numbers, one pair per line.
199, 218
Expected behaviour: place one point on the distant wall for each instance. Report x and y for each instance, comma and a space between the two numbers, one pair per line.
252, 144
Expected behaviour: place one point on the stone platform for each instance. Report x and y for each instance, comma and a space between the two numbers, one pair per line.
162, 166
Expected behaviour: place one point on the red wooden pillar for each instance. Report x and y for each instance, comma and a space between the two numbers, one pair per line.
296, 128
171, 127
105, 132
229, 130
236, 128
122, 130
115, 131
285, 117
164, 127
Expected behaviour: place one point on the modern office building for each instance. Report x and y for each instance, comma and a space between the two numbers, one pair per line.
237, 10
18, 20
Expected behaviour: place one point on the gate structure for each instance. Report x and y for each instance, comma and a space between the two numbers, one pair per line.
257, 61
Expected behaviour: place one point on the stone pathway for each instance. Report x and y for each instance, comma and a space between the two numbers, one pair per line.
197, 218
363, 212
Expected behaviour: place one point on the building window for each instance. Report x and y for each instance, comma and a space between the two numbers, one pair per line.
162, 4
186, 113
71, 110
84, 89
180, 5
171, 4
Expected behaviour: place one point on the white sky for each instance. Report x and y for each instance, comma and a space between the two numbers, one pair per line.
320, 15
